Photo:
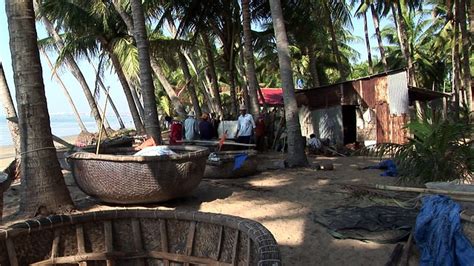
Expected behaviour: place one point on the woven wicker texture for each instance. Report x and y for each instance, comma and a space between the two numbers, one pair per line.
139, 237
225, 167
127, 179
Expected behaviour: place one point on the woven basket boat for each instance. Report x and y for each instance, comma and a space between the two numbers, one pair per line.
139, 237
127, 179
224, 168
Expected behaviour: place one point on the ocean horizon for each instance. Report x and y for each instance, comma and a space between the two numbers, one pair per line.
63, 125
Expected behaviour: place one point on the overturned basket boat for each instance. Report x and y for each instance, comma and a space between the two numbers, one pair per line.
139, 237
224, 164
128, 179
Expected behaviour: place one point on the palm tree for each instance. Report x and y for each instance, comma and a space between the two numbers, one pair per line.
66, 92
466, 51
75, 70
362, 11
375, 18
10, 111
44, 190
152, 125
296, 155
249, 58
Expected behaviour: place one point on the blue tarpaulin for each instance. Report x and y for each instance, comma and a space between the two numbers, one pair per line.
239, 160
439, 235
388, 165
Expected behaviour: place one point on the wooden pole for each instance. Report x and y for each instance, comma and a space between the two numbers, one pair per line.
102, 124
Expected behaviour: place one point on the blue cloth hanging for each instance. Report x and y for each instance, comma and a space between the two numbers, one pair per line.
239, 160
439, 235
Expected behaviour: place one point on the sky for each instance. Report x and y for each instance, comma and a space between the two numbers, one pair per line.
57, 103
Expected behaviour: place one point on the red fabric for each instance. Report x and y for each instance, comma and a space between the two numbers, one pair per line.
176, 133
272, 96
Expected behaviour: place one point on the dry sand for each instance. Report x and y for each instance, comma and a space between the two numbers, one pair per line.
284, 201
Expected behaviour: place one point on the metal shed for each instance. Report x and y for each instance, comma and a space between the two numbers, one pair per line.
372, 109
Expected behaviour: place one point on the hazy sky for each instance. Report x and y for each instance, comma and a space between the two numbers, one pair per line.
56, 100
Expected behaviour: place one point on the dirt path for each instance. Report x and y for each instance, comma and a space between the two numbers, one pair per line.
284, 201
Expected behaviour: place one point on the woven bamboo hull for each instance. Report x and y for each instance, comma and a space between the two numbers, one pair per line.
132, 180
225, 168
139, 237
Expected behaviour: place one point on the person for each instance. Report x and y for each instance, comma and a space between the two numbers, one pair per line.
314, 144
260, 133
168, 121
245, 126
190, 127
206, 130
176, 132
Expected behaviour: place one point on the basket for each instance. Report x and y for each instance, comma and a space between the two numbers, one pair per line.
127, 179
139, 237
224, 168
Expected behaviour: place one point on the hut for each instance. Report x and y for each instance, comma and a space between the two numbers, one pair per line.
369, 110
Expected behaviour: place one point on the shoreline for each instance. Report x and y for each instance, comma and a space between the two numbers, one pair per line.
7, 152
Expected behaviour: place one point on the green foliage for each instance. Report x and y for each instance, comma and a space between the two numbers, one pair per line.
440, 150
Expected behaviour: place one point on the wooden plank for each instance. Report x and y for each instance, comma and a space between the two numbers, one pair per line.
219, 243
137, 239
132, 256
11, 252
164, 240
235, 248
190, 239
109, 240
54, 247
81, 249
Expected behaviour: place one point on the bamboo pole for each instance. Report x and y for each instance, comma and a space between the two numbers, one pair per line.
102, 124
424, 190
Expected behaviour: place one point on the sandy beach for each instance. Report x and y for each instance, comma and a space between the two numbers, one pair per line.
7, 153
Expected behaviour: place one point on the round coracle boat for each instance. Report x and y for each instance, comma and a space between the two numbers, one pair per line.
224, 164
139, 237
118, 177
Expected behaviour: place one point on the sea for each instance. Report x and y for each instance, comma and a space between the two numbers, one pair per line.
63, 125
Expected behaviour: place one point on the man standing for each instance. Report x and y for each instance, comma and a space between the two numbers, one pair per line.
245, 126
190, 127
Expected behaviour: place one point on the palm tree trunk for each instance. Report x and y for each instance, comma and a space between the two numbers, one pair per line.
296, 155
375, 18
249, 59
10, 111
43, 188
137, 99
152, 125
102, 86
245, 86
313, 69
466, 70
76, 72
456, 75
177, 105
128, 92
212, 73
367, 43
334, 47
66, 92
190, 84
403, 38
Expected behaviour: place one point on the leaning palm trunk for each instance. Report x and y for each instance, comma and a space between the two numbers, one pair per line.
76, 72
249, 58
466, 46
128, 93
212, 74
10, 111
334, 47
66, 92
190, 84
367, 42
404, 44
177, 105
313, 69
44, 190
456, 73
296, 154
102, 86
152, 125
375, 18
